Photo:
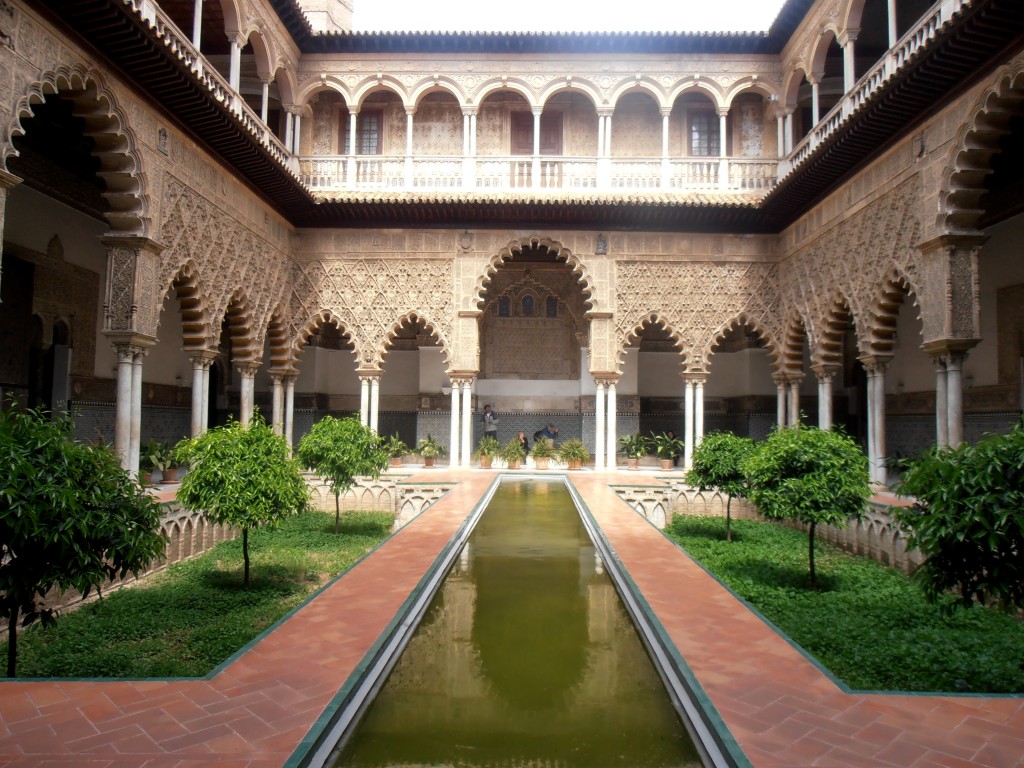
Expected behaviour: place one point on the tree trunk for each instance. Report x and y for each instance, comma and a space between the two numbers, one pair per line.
337, 511
245, 556
12, 641
728, 519
810, 547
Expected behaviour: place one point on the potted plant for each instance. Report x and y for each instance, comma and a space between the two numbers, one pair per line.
172, 469
396, 449
668, 447
573, 453
153, 458
634, 447
542, 453
429, 449
513, 453
486, 450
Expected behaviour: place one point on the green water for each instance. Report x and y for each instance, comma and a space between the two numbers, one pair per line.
525, 657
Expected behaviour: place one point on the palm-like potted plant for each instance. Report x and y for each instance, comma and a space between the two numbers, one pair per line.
513, 453
574, 453
634, 447
486, 450
668, 447
396, 449
429, 449
172, 468
542, 453
153, 458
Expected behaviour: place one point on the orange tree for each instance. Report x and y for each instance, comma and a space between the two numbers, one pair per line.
70, 518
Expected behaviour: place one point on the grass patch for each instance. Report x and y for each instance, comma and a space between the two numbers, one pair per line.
186, 620
869, 625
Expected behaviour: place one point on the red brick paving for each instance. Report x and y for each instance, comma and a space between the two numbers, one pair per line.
779, 707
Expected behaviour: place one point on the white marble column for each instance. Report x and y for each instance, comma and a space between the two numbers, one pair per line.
666, 165
277, 413
890, 8
780, 132
467, 423
794, 401
265, 100
136, 428
123, 407
698, 411
599, 417
941, 403
296, 147
248, 394
374, 402
453, 437
824, 376
364, 400
780, 400
847, 40
954, 397
352, 171
235, 68
723, 138
409, 112
205, 415
536, 147
789, 132
197, 24
199, 364
688, 424
288, 130
876, 418
289, 410
611, 424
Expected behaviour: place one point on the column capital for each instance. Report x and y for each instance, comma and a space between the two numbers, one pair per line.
203, 357
825, 371
848, 36
695, 377
606, 378
369, 376
666, 111
136, 342
248, 370
605, 111
944, 347
469, 111
875, 363
950, 242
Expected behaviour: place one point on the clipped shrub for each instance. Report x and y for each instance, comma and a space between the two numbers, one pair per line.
717, 464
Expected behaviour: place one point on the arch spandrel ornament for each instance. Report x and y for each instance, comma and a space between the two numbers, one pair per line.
695, 299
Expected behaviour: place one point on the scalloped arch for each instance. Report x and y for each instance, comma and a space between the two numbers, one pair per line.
300, 338
970, 158
192, 298
795, 331
885, 308
578, 266
282, 357
745, 318
106, 124
412, 317
239, 315
831, 330
648, 318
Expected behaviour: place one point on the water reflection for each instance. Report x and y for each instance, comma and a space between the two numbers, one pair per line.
525, 657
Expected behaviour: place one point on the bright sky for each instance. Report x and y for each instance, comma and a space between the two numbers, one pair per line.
565, 15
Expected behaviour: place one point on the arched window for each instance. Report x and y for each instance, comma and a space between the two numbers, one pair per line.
504, 307
552, 307
528, 305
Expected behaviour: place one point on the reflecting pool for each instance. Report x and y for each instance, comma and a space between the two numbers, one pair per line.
525, 657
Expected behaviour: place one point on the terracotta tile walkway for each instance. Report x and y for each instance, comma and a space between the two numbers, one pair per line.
779, 707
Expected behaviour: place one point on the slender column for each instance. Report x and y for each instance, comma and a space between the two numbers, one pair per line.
467, 422
453, 439
600, 136
789, 132
611, 425
954, 397
698, 411
123, 408
780, 133
536, 147
296, 147
599, 416
688, 425
136, 428
849, 59
197, 24
248, 392
374, 402
277, 414
408, 145
288, 130
666, 165
364, 400
265, 101
289, 409
815, 104
876, 417
723, 163
891, 13
794, 401
465, 134
472, 135
780, 400
941, 403
608, 136
235, 71
353, 145
825, 375
200, 364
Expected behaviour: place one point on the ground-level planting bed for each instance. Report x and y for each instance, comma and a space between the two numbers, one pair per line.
868, 624
193, 616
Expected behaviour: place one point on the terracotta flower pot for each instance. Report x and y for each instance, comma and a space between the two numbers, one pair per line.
633, 463
515, 464
172, 475
395, 461
428, 461
575, 463
666, 463
542, 463
485, 462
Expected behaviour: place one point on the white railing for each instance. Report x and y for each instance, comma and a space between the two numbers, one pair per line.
921, 33
331, 173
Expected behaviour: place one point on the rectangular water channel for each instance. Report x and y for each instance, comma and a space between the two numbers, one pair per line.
525, 657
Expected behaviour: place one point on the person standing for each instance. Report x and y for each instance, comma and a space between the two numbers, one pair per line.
490, 422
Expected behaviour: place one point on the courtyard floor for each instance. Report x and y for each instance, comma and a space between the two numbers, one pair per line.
254, 712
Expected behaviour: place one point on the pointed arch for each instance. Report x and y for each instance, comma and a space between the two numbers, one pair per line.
970, 158
579, 267
115, 144
324, 316
635, 328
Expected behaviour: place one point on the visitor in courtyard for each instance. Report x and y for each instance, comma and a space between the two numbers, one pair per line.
490, 422
521, 437
550, 432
